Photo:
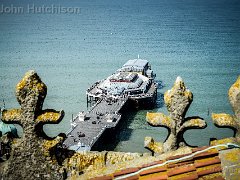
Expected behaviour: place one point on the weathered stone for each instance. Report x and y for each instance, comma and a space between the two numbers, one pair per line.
84, 161
153, 146
227, 120
87, 162
177, 101
230, 163
231, 140
137, 162
117, 157
29, 157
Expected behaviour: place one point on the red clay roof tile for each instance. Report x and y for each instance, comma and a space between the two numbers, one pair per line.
186, 176
155, 176
199, 148
178, 156
210, 153
180, 170
209, 169
172, 165
152, 163
205, 164
135, 177
153, 170
125, 171
218, 178
207, 161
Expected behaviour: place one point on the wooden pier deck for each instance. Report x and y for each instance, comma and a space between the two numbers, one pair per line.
86, 128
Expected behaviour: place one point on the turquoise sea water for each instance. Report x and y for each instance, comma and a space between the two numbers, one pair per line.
197, 40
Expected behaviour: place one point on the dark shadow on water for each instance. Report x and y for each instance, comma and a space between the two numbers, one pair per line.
160, 84
112, 137
228, 127
160, 100
160, 95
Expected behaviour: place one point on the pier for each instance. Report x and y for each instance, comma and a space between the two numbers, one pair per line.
86, 128
133, 82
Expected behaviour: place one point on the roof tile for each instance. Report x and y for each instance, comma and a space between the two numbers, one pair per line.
205, 165
186, 176
199, 148
178, 156
207, 161
180, 170
155, 176
135, 177
152, 163
209, 169
210, 153
153, 170
125, 171
172, 165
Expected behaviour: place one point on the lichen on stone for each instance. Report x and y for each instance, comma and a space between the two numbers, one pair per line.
84, 161
48, 144
177, 100
11, 115
233, 156
225, 141
95, 162
211, 176
182, 176
50, 116
227, 120
29, 157
153, 146
213, 166
157, 119
31, 82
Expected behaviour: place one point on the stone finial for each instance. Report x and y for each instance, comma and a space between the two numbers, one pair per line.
29, 159
227, 120
177, 100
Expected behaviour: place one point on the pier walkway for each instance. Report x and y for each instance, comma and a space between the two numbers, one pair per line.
86, 128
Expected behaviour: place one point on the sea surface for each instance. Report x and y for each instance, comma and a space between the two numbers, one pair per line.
198, 40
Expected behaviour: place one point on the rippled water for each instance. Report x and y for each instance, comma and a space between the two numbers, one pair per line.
197, 40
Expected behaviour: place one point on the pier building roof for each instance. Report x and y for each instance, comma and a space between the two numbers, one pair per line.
117, 83
123, 77
137, 63
134, 65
